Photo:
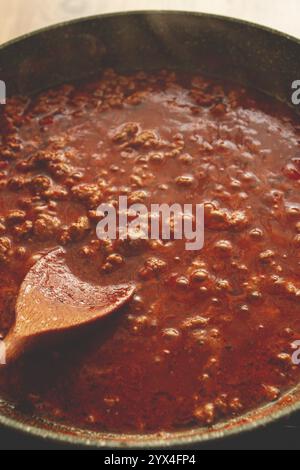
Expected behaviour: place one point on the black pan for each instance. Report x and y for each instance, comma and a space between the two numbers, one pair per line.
249, 54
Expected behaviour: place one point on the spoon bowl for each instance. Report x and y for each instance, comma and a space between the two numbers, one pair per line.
53, 300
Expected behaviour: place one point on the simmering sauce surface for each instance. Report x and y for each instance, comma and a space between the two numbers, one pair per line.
208, 335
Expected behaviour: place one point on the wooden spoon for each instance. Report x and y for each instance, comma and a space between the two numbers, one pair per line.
53, 300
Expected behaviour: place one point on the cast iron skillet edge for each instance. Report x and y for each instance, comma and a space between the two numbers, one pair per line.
64, 434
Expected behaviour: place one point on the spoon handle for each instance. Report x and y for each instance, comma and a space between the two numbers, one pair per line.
12, 348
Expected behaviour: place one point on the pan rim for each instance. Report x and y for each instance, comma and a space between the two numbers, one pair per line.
228, 19
161, 440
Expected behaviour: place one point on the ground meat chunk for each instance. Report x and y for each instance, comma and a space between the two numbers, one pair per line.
46, 227
90, 194
153, 267
15, 217
138, 197
112, 262
79, 229
206, 414
5, 247
223, 219
125, 133
132, 246
23, 230
16, 183
40, 183
146, 139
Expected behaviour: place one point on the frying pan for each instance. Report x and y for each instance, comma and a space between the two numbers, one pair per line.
232, 49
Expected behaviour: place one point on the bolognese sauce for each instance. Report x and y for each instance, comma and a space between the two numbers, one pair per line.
208, 335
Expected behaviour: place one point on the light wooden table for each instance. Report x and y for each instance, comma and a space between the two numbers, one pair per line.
21, 16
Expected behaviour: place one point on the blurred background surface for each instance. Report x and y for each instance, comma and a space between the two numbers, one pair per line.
22, 16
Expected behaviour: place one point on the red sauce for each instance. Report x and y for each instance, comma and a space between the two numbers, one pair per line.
208, 335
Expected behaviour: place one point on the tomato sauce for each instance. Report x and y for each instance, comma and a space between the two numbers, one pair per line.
208, 335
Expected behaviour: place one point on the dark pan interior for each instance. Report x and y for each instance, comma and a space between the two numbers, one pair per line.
129, 41
224, 47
